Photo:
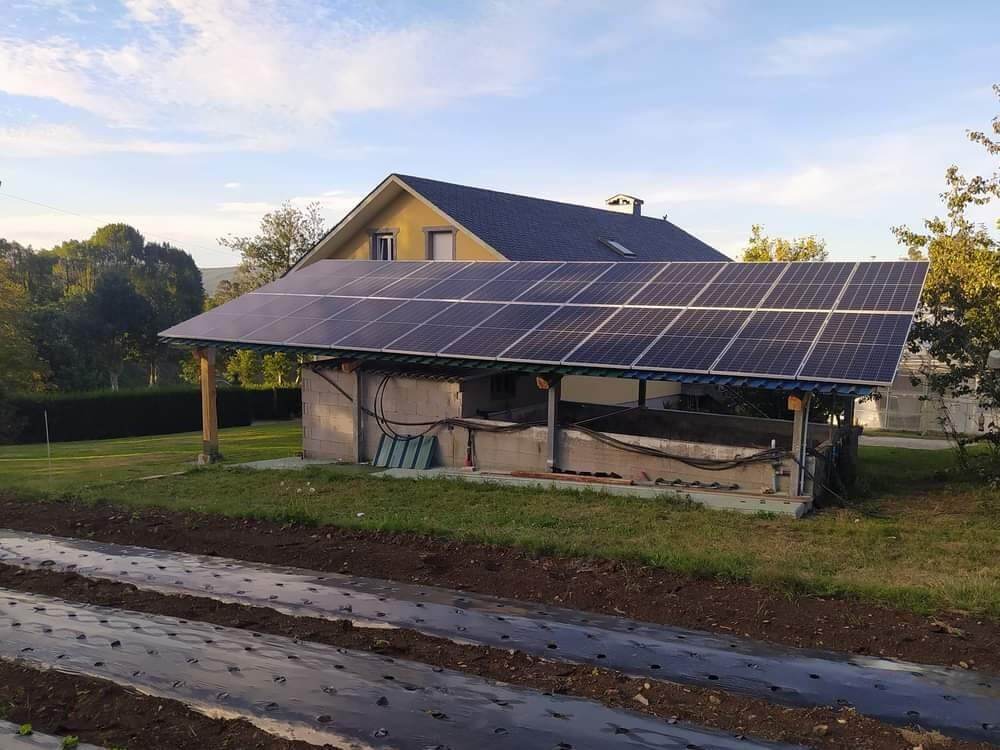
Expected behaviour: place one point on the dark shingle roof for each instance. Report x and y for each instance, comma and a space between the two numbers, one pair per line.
523, 228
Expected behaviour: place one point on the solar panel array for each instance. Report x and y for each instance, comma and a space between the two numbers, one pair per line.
835, 322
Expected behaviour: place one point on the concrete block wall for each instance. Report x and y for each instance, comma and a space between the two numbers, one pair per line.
327, 416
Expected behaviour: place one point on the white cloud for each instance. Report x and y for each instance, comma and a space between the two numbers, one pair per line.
275, 66
826, 51
48, 140
232, 186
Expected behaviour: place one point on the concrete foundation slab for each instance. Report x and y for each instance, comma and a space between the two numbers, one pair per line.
741, 502
292, 462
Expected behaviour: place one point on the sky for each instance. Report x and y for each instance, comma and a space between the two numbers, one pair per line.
191, 118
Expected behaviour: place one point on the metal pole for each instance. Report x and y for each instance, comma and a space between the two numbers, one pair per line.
642, 394
48, 444
554, 392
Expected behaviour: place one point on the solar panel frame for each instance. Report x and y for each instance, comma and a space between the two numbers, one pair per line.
564, 318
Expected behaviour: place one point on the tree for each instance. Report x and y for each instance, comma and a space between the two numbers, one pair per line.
959, 323
20, 367
116, 317
170, 282
243, 366
285, 235
761, 248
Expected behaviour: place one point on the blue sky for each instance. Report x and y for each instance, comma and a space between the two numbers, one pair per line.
190, 118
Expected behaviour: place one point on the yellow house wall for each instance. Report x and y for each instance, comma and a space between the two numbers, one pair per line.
410, 216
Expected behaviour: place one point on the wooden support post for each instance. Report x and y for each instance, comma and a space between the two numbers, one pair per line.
642, 394
799, 403
554, 392
359, 415
209, 414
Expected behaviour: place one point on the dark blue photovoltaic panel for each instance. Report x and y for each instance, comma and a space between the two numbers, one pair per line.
610, 349
277, 305
715, 323
467, 314
545, 345
809, 286
732, 295
740, 285
520, 317
576, 318
772, 343
884, 287
857, 362
483, 342
409, 287
579, 272
281, 330
374, 335
439, 269
639, 321
500, 331
368, 310
325, 307
856, 328
451, 289
528, 271
237, 326
415, 312
325, 332
676, 294
553, 291
502, 290
763, 357
618, 284
683, 352
694, 340
783, 326
366, 286
198, 326
427, 339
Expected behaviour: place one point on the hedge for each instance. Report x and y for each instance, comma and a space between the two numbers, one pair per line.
156, 411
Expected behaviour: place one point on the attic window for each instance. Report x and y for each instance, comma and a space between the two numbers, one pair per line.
618, 248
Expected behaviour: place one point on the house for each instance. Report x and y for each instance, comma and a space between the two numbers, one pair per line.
415, 218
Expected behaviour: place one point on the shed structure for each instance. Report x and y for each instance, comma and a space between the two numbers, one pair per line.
475, 353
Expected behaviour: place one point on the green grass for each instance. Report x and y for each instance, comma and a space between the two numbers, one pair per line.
77, 464
924, 538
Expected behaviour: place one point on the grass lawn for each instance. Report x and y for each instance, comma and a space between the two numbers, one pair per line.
88, 462
924, 538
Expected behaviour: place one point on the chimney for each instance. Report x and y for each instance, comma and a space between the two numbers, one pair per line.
626, 204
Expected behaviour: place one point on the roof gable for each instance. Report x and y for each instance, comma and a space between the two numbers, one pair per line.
524, 228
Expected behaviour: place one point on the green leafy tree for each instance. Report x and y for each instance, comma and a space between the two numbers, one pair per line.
117, 318
285, 235
243, 366
960, 321
20, 367
761, 248
278, 369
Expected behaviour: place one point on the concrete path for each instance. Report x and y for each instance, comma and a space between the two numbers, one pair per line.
915, 443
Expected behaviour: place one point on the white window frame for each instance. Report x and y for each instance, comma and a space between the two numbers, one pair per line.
383, 240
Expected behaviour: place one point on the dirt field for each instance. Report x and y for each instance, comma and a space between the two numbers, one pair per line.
954, 639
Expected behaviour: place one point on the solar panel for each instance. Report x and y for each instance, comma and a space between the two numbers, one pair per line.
885, 287
771, 343
841, 322
677, 285
740, 285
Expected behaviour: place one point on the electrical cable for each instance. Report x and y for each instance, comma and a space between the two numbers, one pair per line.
386, 425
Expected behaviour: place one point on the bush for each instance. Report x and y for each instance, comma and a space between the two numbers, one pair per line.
94, 416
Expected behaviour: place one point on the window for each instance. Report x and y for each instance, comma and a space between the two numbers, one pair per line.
440, 244
618, 247
383, 246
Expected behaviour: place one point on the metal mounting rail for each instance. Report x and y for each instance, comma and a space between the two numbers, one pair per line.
956, 702
318, 693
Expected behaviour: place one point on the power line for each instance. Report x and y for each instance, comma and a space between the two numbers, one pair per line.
173, 240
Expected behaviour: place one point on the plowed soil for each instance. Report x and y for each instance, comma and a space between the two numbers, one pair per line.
819, 727
655, 595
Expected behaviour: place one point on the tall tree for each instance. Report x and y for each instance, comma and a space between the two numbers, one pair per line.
959, 323
285, 235
761, 248
117, 317
20, 367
